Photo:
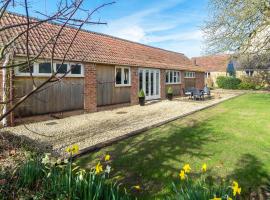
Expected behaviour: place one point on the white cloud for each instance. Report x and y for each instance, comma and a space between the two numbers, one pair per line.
189, 35
134, 33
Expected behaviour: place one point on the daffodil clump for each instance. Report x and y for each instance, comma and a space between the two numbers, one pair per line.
62, 178
193, 186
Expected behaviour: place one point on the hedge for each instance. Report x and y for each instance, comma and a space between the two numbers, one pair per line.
226, 82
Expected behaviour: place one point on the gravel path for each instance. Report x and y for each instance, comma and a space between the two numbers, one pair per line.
93, 128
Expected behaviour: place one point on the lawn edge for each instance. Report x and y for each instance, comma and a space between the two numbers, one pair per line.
115, 140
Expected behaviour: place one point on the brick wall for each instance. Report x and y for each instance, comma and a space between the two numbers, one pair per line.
162, 84
134, 85
200, 80
90, 88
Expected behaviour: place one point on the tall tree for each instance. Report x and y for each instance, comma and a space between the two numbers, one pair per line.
238, 26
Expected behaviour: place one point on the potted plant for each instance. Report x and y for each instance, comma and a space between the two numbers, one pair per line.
141, 96
170, 93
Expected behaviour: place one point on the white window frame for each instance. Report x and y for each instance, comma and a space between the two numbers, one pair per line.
173, 76
37, 74
189, 74
249, 74
207, 74
122, 76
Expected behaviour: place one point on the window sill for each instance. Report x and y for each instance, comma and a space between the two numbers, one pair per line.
48, 75
189, 77
122, 85
173, 83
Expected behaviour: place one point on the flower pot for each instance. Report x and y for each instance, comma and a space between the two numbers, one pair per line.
170, 96
141, 101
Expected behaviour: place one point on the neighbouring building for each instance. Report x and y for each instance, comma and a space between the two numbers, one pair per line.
221, 65
105, 70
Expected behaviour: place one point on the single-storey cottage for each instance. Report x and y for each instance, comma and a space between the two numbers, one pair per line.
105, 70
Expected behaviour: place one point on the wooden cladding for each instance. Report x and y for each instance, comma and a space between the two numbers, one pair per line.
54, 97
107, 92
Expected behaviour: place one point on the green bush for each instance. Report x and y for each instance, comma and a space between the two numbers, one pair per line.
251, 83
141, 93
170, 90
226, 82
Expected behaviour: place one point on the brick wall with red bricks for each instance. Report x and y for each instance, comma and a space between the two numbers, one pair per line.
90, 88
134, 85
200, 83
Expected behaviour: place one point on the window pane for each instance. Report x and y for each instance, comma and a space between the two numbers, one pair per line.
76, 69
118, 78
26, 69
157, 83
61, 69
174, 77
45, 68
171, 76
140, 80
147, 82
152, 82
126, 76
178, 77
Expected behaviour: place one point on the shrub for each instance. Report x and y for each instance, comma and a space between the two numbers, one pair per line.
251, 83
141, 93
170, 90
226, 82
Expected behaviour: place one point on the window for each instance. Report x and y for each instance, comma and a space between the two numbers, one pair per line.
172, 77
61, 68
122, 76
76, 69
249, 72
207, 74
44, 68
189, 74
26, 69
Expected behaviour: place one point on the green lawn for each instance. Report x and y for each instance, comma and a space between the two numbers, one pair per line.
233, 138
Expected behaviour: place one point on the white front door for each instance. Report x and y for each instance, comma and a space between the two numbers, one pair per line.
149, 81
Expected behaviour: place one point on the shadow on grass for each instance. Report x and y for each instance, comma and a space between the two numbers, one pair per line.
250, 173
153, 159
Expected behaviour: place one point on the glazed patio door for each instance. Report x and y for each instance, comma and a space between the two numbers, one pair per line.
149, 81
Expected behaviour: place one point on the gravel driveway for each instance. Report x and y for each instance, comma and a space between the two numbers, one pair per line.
94, 128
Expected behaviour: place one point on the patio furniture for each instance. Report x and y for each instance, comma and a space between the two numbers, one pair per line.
206, 91
198, 94
188, 92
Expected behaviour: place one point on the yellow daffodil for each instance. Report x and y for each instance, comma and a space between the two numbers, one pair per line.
186, 168
204, 167
73, 149
216, 198
99, 168
182, 175
229, 198
235, 184
107, 157
137, 187
236, 189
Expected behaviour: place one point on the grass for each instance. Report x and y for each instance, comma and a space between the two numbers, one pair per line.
233, 138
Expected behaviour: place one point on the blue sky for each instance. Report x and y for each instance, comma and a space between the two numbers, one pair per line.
169, 24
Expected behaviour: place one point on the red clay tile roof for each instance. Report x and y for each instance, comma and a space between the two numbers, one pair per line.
93, 47
212, 63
